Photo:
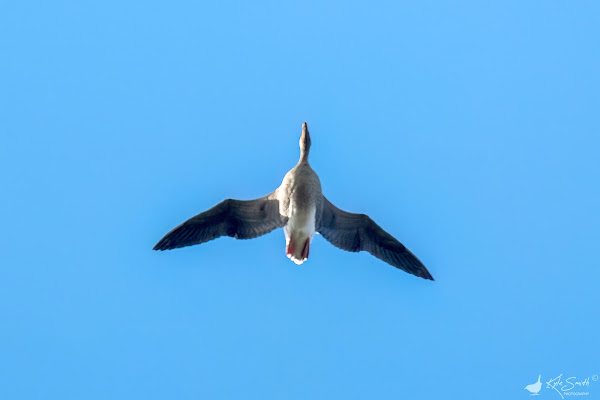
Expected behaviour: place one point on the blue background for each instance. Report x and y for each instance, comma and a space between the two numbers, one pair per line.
469, 130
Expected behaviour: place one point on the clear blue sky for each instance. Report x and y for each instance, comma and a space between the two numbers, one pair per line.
469, 130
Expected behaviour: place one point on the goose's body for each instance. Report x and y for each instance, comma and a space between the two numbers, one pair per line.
299, 198
299, 207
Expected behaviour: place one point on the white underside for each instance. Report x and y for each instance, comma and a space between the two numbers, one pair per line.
300, 227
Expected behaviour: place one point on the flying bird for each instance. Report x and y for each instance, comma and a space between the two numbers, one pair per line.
299, 207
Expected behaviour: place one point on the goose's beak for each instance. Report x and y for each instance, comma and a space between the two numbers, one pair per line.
305, 136
304, 141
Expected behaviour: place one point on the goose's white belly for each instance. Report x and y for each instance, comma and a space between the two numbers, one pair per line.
301, 222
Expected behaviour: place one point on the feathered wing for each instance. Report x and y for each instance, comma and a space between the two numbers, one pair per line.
358, 232
241, 219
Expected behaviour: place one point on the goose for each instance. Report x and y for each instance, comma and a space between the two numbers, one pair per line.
299, 207
535, 388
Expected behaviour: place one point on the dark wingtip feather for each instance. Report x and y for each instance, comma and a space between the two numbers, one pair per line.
422, 272
168, 245
164, 244
428, 276
158, 247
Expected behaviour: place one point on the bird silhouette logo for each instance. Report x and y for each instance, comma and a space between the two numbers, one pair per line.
535, 388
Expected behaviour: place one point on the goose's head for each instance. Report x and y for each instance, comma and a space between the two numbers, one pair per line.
304, 142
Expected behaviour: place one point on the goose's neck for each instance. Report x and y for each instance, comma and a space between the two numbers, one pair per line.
303, 156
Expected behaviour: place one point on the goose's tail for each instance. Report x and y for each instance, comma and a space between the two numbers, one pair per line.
298, 248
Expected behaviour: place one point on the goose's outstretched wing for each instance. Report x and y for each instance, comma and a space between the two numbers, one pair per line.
357, 232
241, 219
